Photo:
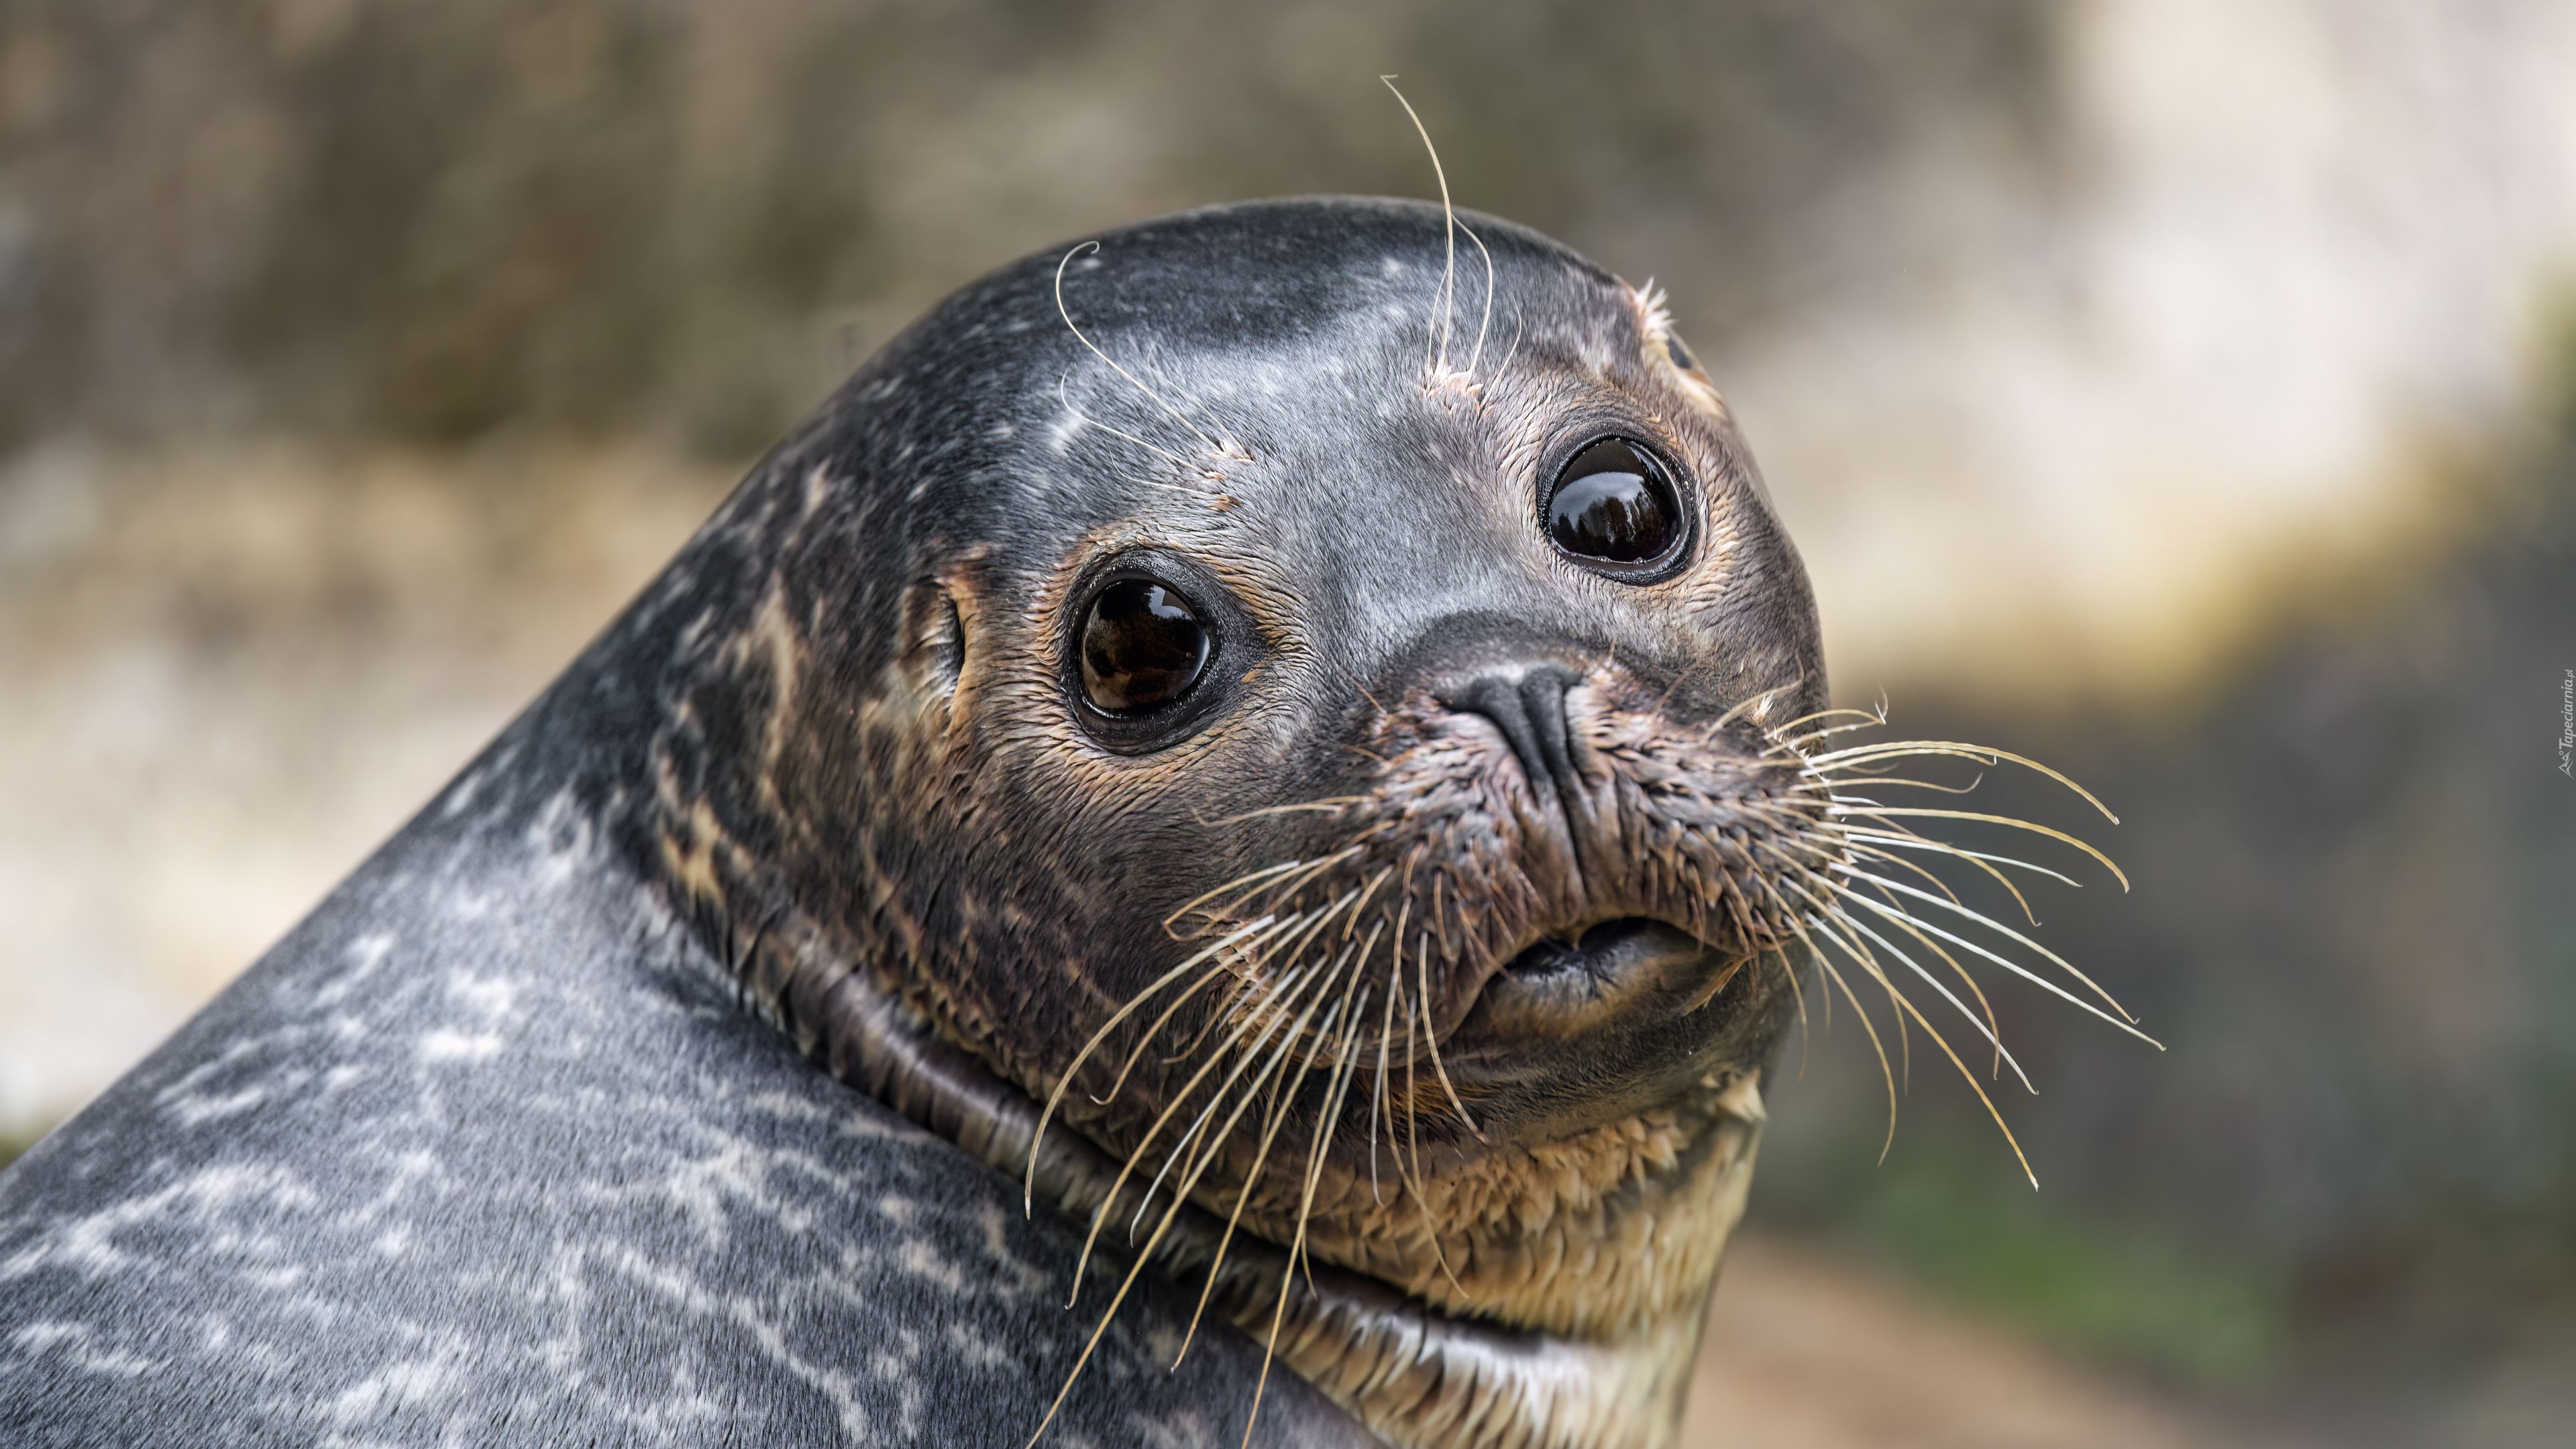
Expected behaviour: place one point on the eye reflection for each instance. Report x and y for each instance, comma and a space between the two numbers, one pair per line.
1613, 502
1143, 647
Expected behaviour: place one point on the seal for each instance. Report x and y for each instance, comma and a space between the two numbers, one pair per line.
1283, 755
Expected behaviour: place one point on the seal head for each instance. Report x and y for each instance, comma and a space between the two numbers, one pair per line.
1293, 690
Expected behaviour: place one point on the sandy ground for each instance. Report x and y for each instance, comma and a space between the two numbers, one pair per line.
1805, 1352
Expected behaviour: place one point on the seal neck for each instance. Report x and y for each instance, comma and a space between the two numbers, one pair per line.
1414, 1375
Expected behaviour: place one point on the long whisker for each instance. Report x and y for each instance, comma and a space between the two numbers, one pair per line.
1788, 968
1144, 1256
2001, 879
1413, 1136
1346, 1062
1028, 1187
1986, 753
1297, 882
1100, 1214
1860, 955
1798, 994
1836, 977
1944, 1044
1818, 913
1292, 944
1983, 1025
1917, 842
1449, 220
1882, 812
1289, 940
1274, 1012
1062, 311
1891, 858
1221, 969
1966, 977
1895, 994
1377, 1084
1752, 706
1324, 1129
1352, 926
1433, 1040
1283, 1095
1246, 880
1487, 320
2006, 962
1300, 872
1065, 396
1326, 805
1822, 780
1788, 736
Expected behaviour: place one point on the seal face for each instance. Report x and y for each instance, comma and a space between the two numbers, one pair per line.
1301, 704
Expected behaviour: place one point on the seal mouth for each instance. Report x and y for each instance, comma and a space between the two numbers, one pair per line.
1572, 983
1592, 950
1592, 1025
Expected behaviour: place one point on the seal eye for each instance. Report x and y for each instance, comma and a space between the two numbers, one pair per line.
1615, 504
1143, 646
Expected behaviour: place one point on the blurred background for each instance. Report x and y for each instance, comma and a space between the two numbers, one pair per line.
2182, 391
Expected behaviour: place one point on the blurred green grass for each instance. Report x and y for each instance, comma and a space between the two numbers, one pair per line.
2090, 1284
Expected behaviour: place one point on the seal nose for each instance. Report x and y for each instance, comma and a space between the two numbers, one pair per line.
1527, 704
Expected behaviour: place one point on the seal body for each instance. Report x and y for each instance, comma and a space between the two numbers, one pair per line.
1292, 707
487, 1151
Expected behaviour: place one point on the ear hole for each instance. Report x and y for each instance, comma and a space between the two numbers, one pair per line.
949, 650
934, 649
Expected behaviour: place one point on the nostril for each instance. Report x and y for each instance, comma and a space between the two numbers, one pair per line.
1528, 706
1543, 692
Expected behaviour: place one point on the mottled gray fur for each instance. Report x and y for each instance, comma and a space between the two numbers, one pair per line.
484, 1152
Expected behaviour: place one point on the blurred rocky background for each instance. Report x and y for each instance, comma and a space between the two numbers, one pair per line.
2182, 391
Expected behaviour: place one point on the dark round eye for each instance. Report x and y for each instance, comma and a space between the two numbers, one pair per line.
1613, 502
1143, 646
